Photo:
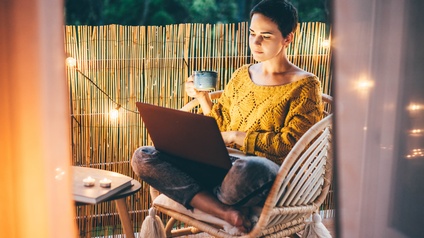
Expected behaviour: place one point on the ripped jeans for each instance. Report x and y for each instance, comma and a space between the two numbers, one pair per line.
247, 183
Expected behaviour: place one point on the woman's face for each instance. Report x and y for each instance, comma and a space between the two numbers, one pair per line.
265, 39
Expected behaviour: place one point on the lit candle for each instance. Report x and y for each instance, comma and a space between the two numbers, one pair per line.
89, 181
105, 183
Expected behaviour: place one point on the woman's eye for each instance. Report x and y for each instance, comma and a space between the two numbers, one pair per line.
266, 37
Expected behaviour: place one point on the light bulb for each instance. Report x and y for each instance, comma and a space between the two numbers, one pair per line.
71, 62
325, 44
415, 107
113, 114
364, 83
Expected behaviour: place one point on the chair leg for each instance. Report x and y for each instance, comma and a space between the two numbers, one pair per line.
179, 232
169, 225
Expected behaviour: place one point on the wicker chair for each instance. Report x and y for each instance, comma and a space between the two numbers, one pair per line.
298, 191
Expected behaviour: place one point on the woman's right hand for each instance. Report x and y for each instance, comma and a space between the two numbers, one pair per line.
202, 96
192, 91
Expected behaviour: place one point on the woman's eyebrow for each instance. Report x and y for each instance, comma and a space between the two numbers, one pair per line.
263, 32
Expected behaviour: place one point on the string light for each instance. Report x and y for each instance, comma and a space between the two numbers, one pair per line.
325, 44
415, 153
71, 62
114, 113
363, 85
415, 107
416, 132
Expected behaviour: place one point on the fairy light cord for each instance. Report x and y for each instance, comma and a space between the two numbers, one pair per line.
101, 90
72, 64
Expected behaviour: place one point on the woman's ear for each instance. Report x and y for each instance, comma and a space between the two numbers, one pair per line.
288, 39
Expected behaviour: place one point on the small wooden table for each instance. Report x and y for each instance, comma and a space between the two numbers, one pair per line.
121, 205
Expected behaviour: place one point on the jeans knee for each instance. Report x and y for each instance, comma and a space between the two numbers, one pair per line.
256, 165
247, 179
141, 158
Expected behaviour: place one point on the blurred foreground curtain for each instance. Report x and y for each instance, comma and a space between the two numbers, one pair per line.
35, 183
379, 117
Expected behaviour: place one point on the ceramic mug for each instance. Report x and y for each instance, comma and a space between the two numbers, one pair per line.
205, 80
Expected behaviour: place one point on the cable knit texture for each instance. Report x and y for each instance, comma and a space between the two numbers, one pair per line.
274, 117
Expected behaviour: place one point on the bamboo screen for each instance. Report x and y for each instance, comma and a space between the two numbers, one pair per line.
119, 65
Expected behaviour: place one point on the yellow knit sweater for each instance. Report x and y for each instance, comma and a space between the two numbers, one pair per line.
274, 117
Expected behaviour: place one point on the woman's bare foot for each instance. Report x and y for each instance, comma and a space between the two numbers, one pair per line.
208, 203
238, 219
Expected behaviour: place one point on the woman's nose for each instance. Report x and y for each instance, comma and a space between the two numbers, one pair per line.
257, 40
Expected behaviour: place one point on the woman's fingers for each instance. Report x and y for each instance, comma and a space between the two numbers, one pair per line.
190, 79
190, 90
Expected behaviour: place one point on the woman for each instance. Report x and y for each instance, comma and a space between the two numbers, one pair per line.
264, 110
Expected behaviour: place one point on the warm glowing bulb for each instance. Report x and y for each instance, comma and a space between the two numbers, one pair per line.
325, 44
416, 131
415, 153
415, 107
365, 84
113, 114
71, 62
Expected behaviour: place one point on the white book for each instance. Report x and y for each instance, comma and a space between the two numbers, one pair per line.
95, 194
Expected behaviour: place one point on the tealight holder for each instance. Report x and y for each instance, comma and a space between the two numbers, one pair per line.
105, 183
89, 181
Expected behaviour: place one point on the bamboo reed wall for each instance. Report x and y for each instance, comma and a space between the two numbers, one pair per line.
119, 65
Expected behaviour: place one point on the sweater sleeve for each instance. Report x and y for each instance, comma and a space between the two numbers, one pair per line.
305, 109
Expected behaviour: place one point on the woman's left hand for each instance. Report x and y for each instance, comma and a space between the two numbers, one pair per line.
233, 137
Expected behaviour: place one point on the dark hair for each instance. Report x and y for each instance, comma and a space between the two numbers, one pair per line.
283, 13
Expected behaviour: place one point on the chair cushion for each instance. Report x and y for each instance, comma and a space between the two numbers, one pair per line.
164, 201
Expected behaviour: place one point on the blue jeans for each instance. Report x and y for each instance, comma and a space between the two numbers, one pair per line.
247, 183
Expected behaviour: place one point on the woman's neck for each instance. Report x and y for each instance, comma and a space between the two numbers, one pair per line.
276, 72
276, 66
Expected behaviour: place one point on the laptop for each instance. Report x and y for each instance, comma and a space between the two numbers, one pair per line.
186, 135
